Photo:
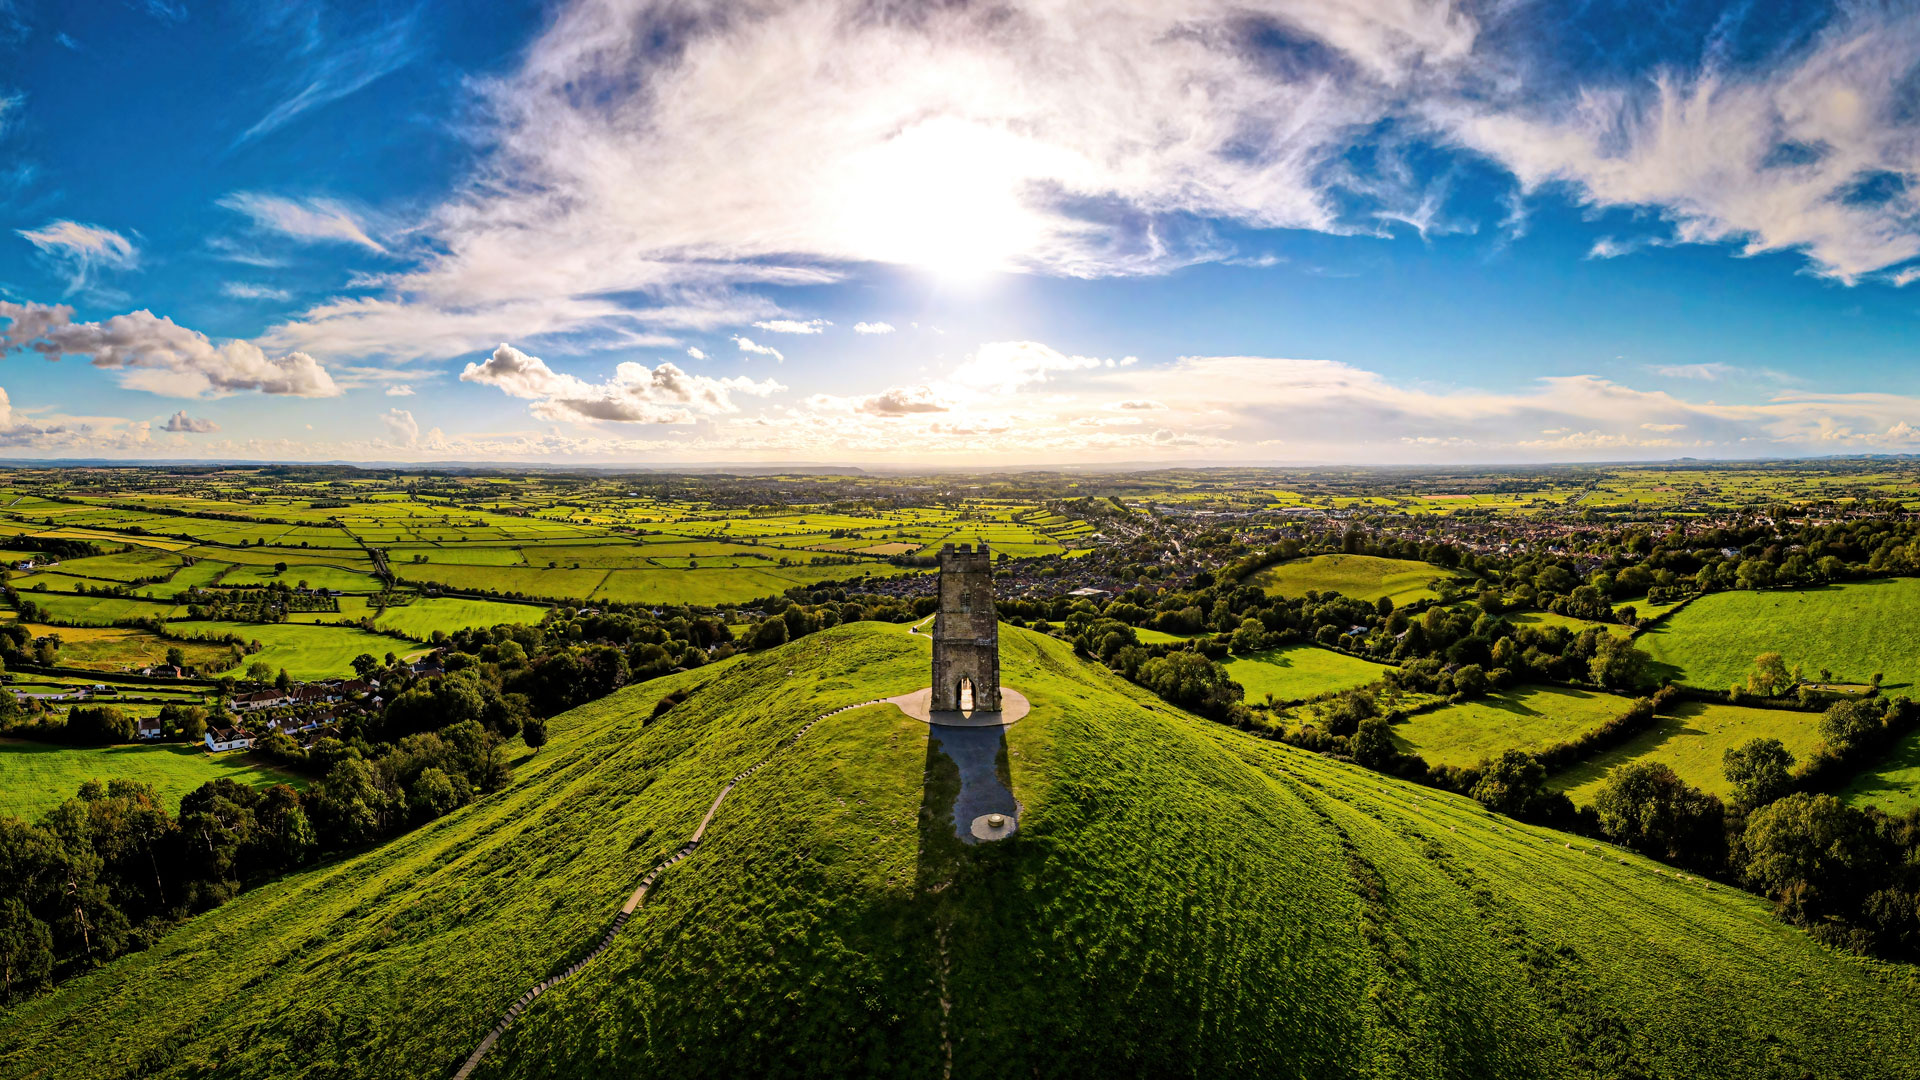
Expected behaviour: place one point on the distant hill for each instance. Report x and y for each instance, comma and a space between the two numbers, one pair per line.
1182, 899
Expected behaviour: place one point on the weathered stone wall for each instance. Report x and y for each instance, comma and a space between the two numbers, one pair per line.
966, 634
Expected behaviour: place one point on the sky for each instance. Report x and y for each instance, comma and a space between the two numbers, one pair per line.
1033, 232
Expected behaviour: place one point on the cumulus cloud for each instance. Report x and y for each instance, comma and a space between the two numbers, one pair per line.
81, 251
793, 326
748, 345
1004, 367
400, 390
895, 401
872, 328
402, 429
696, 353
314, 219
181, 422
633, 394
159, 356
243, 290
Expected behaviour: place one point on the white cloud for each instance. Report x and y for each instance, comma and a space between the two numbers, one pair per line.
181, 422
633, 394
82, 251
793, 326
748, 345
243, 290
696, 353
872, 328
402, 429
1788, 155
315, 219
1713, 372
400, 390
1004, 367
157, 355
338, 71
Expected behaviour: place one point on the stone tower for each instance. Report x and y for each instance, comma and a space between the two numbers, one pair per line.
966, 636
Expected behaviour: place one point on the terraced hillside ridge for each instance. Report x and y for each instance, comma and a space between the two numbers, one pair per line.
1181, 899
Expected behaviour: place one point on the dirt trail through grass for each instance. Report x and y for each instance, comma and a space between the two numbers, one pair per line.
639, 894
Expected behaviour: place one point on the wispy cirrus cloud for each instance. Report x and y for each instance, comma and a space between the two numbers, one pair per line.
81, 251
247, 290
344, 69
319, 220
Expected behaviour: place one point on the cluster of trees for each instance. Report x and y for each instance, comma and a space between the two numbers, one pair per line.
263, 605
109, 870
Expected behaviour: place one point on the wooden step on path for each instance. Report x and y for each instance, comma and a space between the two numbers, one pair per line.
626, 910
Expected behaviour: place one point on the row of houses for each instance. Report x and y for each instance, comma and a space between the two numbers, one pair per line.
304, 694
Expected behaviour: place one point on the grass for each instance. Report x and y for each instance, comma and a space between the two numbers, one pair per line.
1182, 899
1300, 671
1527, 718
421, 618
114, 649
1691, 743
1854, 630
1892, 785
1577, 626
304, 650
1363, 577
36, 777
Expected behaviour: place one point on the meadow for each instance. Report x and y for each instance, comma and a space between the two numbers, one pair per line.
1691, 741
1573, 625
36, 777
1274, 912
306, 651
1529, 718
1300, 671
1854, 630
419, 619
1363, 577
1893, 784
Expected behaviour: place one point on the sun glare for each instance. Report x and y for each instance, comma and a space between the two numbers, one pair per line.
946, 196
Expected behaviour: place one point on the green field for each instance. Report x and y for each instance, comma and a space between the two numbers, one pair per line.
1892, 785
1300, 671
1363, 577
1577, 626
35, 777
421, 618
1854, 630
305, 651
1691, 742
1274, 913
1527, 718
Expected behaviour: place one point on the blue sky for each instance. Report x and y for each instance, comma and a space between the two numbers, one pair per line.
1040, 232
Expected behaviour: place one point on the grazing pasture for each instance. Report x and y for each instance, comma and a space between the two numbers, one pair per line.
1692, 742
422, 617
1300, 671
305, 650
1892, 784
1854, 630
1363, 577
36, 777
1527, 718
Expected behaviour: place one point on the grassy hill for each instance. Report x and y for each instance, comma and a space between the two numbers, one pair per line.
1181, 899
1363, 577
36, 777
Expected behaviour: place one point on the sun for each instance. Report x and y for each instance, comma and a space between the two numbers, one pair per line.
947, 196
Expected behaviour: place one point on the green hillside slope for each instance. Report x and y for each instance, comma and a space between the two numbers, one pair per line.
1180, 899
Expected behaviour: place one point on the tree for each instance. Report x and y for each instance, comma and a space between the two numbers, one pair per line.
26, 950
1618, 663
1511, 784
282, 681
1760, 771
176, 657
259, 671
1848, 725
1769, 675
534, 731
1646, 806
1470, 679
768, 633
365, 665
432, 795
1813, 854
99, 726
